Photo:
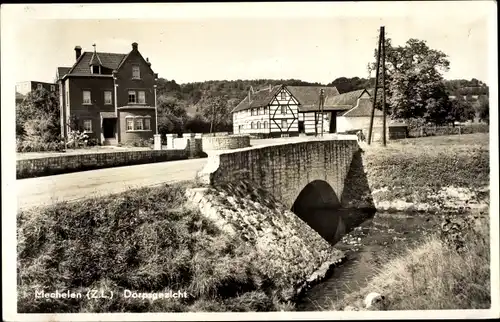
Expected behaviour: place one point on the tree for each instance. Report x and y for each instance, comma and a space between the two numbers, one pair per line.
215, 110
197, 124
37, 106
172, 115
461, 111
484, 109
415, 81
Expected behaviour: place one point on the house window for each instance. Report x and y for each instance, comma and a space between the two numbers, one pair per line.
258, 125
283, 95
96, 69
283, 109
138, 124
132, 97
52, 88
136, 72
142, 97
265, 125
263, 110
147, 124
86, 97
251, 125
107, 97
39, 86
130, 124
87, 125
284, 125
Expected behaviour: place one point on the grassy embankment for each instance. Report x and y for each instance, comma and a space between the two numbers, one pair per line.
144, 240
451, 268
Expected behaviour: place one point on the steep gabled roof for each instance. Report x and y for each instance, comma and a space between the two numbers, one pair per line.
308, 96
61, 71
348, 99
95, 60
363, 108
108, 60
257, 99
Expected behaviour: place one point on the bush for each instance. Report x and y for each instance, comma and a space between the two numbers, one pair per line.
92, 142
427, 130
38, 146
143, 142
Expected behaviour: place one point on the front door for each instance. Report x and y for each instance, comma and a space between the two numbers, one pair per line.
109, 128
301, 127
333, 122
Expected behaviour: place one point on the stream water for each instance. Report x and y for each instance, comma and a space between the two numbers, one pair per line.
367, 247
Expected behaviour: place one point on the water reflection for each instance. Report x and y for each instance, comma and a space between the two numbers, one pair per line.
378, 238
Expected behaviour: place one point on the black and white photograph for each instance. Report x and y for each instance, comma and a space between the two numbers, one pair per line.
248, 161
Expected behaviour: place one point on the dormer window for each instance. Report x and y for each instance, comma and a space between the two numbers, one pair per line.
95, 69
136, 72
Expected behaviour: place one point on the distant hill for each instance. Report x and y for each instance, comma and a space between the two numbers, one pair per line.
235, 90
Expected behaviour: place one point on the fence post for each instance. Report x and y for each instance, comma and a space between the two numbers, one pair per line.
157, 141
170, 140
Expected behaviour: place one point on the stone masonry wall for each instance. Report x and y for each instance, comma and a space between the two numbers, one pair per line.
290, 253
284, 170
225, 142
72, 163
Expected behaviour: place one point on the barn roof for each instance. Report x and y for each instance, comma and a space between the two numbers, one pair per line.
257, 99
363, 108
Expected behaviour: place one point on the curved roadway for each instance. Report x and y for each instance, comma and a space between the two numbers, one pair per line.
71, 186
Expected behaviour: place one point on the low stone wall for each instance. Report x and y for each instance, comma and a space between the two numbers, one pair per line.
190, 141
225, 142
30, 168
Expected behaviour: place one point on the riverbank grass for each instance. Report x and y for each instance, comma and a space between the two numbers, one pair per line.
439, 273
432, 276
145, 240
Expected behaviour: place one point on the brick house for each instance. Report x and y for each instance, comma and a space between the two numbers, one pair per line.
112, 96
28, 86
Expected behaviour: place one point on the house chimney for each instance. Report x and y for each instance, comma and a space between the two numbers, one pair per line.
134, 46
147, 61
78, 52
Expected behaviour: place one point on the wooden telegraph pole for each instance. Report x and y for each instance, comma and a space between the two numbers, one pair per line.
322, 108
380, 55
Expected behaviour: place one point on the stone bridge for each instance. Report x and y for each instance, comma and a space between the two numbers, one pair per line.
314, 179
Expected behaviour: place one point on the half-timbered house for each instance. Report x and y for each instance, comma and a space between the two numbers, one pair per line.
278, 111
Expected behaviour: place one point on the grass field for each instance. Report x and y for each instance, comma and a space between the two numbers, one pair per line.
417, 170
143, 240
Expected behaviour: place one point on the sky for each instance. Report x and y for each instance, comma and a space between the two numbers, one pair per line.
315, 42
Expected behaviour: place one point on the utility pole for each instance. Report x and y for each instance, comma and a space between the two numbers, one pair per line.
381, 42
384, 125
322, 108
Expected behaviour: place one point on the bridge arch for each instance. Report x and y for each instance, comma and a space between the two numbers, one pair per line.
316, 204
